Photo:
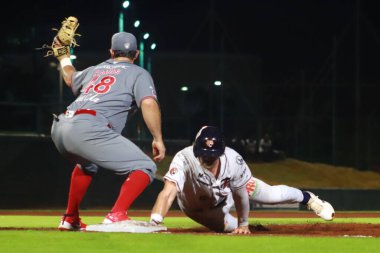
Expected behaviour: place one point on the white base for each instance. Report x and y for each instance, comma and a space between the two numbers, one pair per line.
129, 226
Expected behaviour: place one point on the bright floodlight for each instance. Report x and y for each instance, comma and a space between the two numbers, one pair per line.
184, 88
146, 35
125, 4
73, 57
153, 46
137, 23
217, 83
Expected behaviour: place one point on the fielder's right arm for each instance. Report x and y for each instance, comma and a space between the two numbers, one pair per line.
163, 203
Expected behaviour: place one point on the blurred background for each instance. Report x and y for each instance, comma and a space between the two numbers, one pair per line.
303, 72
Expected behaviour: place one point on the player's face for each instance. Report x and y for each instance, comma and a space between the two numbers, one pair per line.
207, 162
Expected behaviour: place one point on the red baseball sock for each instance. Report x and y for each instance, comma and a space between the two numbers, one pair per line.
80, 181
132, 187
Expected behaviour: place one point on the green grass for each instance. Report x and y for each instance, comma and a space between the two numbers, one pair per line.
22, 221
55, 241
39, 241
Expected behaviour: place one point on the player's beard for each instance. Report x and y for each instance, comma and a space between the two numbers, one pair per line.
208, 162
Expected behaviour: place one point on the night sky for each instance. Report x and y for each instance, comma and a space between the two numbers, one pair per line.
293, 40
286, 35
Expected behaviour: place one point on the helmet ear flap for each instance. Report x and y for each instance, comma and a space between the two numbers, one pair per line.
209, 142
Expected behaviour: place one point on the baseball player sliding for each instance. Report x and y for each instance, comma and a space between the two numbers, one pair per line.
208, 179
89, 132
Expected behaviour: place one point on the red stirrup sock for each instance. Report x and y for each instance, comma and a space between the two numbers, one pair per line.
132, 187
80, 181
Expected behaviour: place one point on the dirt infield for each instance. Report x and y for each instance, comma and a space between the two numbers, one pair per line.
318, 229
177, 213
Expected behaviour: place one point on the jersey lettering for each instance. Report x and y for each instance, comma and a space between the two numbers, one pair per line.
226, 183
105, 84
251, 186
102, 87
90, 84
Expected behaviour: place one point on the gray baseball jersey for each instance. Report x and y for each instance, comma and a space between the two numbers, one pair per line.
112, 90
201, 196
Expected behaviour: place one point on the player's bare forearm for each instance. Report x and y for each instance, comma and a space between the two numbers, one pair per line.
241, 200
66, 66
67, 73
164, 200
152, 117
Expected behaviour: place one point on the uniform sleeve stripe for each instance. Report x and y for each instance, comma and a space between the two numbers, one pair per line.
146, 97
241, 186
174, 181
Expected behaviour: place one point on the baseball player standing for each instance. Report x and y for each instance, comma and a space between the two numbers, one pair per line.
208, 179
89, 132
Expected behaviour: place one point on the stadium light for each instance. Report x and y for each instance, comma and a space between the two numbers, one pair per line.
72, 55
153, 46
136, 23
184, 88
217, 83
125, 5
146, 36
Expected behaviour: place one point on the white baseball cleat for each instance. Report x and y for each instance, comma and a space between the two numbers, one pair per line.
321, 208
71, 222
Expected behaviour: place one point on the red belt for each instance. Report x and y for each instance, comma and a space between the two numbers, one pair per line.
85, 111
70, 114
80, 111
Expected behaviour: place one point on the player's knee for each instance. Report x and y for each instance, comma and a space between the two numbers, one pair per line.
89, 168
230, 223
149, 169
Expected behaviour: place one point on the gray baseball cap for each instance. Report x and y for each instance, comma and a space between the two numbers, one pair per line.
124, 41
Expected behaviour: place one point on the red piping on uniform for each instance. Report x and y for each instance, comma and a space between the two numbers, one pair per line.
84, 111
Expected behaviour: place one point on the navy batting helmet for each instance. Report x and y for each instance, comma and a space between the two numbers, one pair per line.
209, 142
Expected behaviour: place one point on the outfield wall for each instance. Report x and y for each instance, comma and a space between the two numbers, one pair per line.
350, 199
34, 175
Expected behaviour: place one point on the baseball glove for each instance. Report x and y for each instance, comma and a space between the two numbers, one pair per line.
65, 38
